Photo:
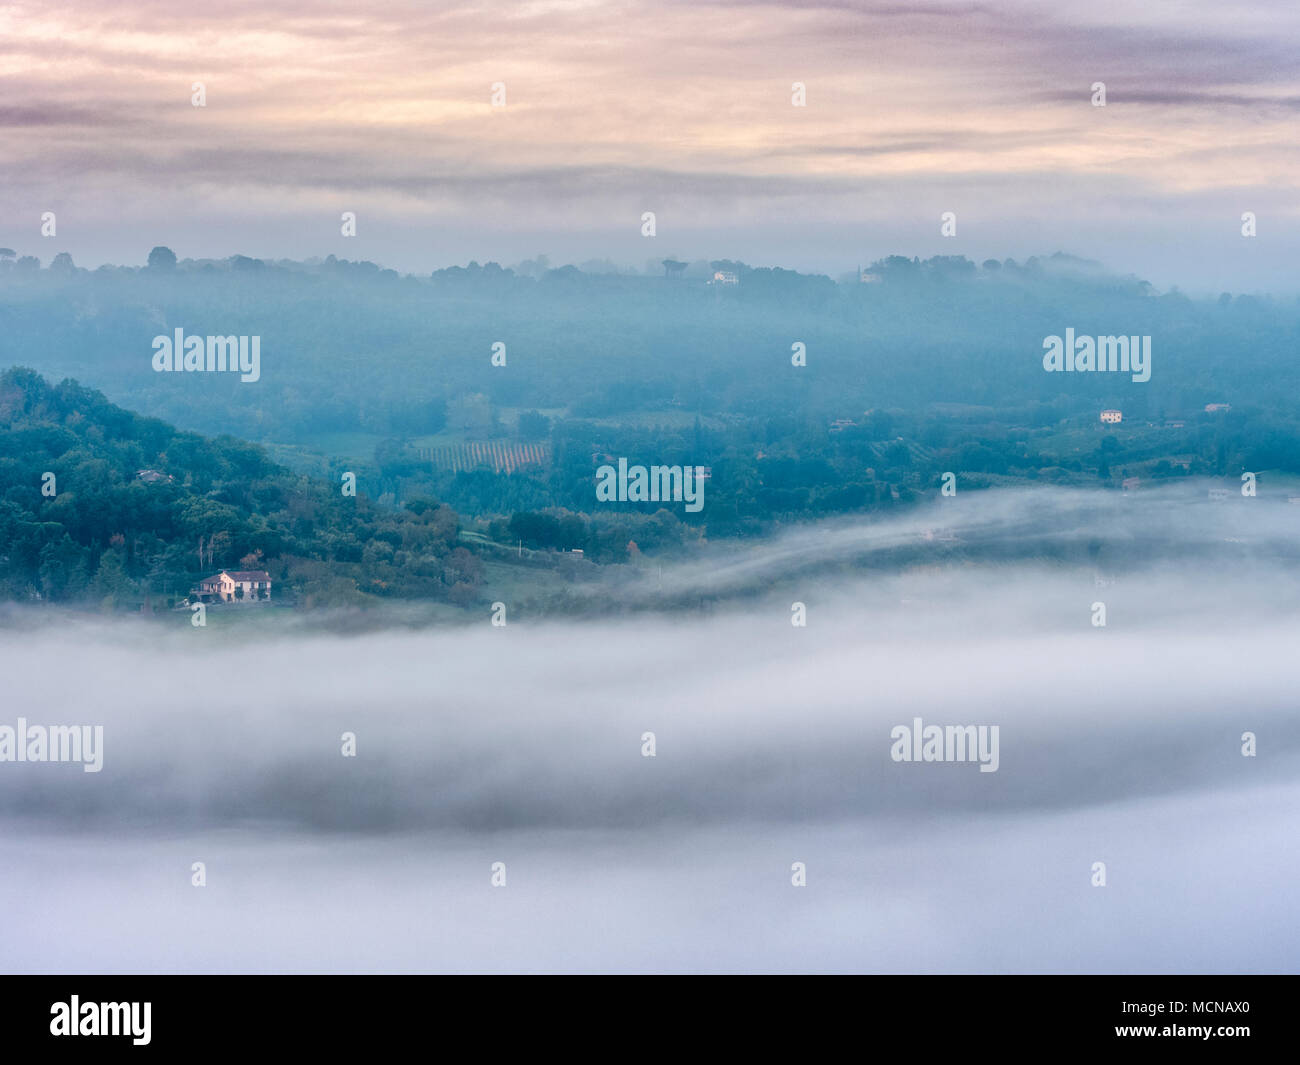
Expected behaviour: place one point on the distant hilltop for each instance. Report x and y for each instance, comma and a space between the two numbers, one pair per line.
891, 269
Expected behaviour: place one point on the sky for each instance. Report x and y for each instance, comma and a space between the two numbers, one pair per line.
613, 109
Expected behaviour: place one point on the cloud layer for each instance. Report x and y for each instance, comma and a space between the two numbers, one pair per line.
1119, 744
617, 108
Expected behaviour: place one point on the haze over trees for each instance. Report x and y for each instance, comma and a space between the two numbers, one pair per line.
930, 367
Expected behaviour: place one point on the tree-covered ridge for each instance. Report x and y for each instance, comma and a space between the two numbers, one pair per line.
914, 370
348, 347
100, 504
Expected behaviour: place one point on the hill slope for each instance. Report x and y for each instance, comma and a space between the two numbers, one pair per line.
100, 504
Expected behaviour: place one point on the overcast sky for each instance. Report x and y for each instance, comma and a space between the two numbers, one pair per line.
616, 108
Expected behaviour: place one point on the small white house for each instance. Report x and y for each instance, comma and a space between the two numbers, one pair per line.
230, 586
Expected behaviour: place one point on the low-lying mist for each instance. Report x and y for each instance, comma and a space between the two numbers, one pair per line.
1118, 743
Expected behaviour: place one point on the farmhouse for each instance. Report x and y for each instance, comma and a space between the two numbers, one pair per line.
153, 477
230, 586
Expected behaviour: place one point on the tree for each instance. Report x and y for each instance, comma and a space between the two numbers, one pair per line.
162, 258
218, 544
534, 425
112, 585
462, 594
62, 264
